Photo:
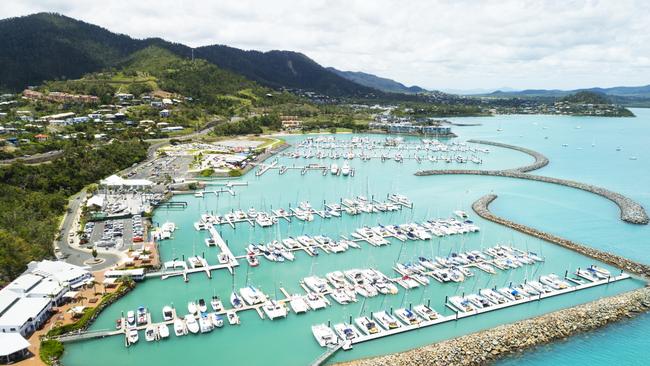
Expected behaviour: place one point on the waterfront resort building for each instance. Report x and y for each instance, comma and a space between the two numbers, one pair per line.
410, 128
26, 303
13, 348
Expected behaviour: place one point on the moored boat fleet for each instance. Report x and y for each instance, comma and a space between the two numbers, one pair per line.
304, 211
388, 322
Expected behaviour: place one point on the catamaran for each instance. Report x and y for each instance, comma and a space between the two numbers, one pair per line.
366, 325
324, 335
346, 331
386, 320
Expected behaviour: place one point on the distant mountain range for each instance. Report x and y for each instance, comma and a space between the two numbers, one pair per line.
377, 82
630, 91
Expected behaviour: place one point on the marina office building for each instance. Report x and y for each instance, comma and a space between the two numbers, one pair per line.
410, 128
26, 303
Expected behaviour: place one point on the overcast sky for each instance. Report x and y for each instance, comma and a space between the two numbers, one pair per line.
455, 44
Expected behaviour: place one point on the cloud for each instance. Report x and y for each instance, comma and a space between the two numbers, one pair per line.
436, 44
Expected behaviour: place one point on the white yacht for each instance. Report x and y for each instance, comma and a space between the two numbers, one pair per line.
386, 320
163, 331
334, 169
324, 335
345, 170
179, 327
298, 304
426, 312
233, 318
407, 316
366, 325
346, 331
168, 313
192, 324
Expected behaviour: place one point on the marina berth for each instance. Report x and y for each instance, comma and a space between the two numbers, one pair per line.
192, 324
484, 300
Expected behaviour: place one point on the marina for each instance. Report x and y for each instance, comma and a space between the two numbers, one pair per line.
286, 284
426, 316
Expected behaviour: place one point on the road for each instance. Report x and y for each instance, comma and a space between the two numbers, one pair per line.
35, 159
76, 256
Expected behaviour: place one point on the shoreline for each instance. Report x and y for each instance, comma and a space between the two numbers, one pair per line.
481, 207
489, 345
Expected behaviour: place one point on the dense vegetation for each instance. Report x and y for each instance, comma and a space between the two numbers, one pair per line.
33, 197
586, 97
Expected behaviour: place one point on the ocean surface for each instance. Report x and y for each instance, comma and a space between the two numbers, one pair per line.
589, 155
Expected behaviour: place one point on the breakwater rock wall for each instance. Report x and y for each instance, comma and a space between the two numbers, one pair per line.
481, 207
488, 345
631, 211
540, 159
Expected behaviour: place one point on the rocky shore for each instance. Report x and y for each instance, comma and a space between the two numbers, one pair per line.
631, 211
488, 345
481, 207
540, 159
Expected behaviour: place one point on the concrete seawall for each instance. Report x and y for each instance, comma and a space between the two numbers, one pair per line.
631, 211
540, 160
487, 346
481, 207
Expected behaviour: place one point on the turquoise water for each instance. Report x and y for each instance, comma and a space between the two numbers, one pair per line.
570, 213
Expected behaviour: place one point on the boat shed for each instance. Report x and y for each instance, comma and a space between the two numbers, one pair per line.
13, 348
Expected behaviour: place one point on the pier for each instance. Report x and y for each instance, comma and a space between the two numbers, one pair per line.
481, 207
631, 211
540, 159
460, 315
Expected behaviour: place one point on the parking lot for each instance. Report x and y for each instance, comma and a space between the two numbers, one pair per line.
119, 234
158, 169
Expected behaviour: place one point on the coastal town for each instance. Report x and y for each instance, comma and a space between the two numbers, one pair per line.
159, 199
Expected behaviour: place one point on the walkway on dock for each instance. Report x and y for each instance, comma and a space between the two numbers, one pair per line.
460, 315
631, 211
327, 354
481, 207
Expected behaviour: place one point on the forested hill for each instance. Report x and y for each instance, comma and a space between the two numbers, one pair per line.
49, 46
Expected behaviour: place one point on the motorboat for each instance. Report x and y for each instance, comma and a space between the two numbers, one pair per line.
216, 320
151, 333
133, 336
192, 308
130, 319
252, 260
168, 313
345, 170
205, 324
315, 301
192, 324
141, 315
203, 307
163, 331
334, 169
233, 318
179, 327
317, 284
324, 335
216, 303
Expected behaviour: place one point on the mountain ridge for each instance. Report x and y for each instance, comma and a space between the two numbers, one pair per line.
377, 82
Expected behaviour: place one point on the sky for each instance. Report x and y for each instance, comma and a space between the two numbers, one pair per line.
445, 45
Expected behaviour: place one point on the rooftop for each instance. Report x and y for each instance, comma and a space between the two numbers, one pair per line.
25, 309
11, 343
